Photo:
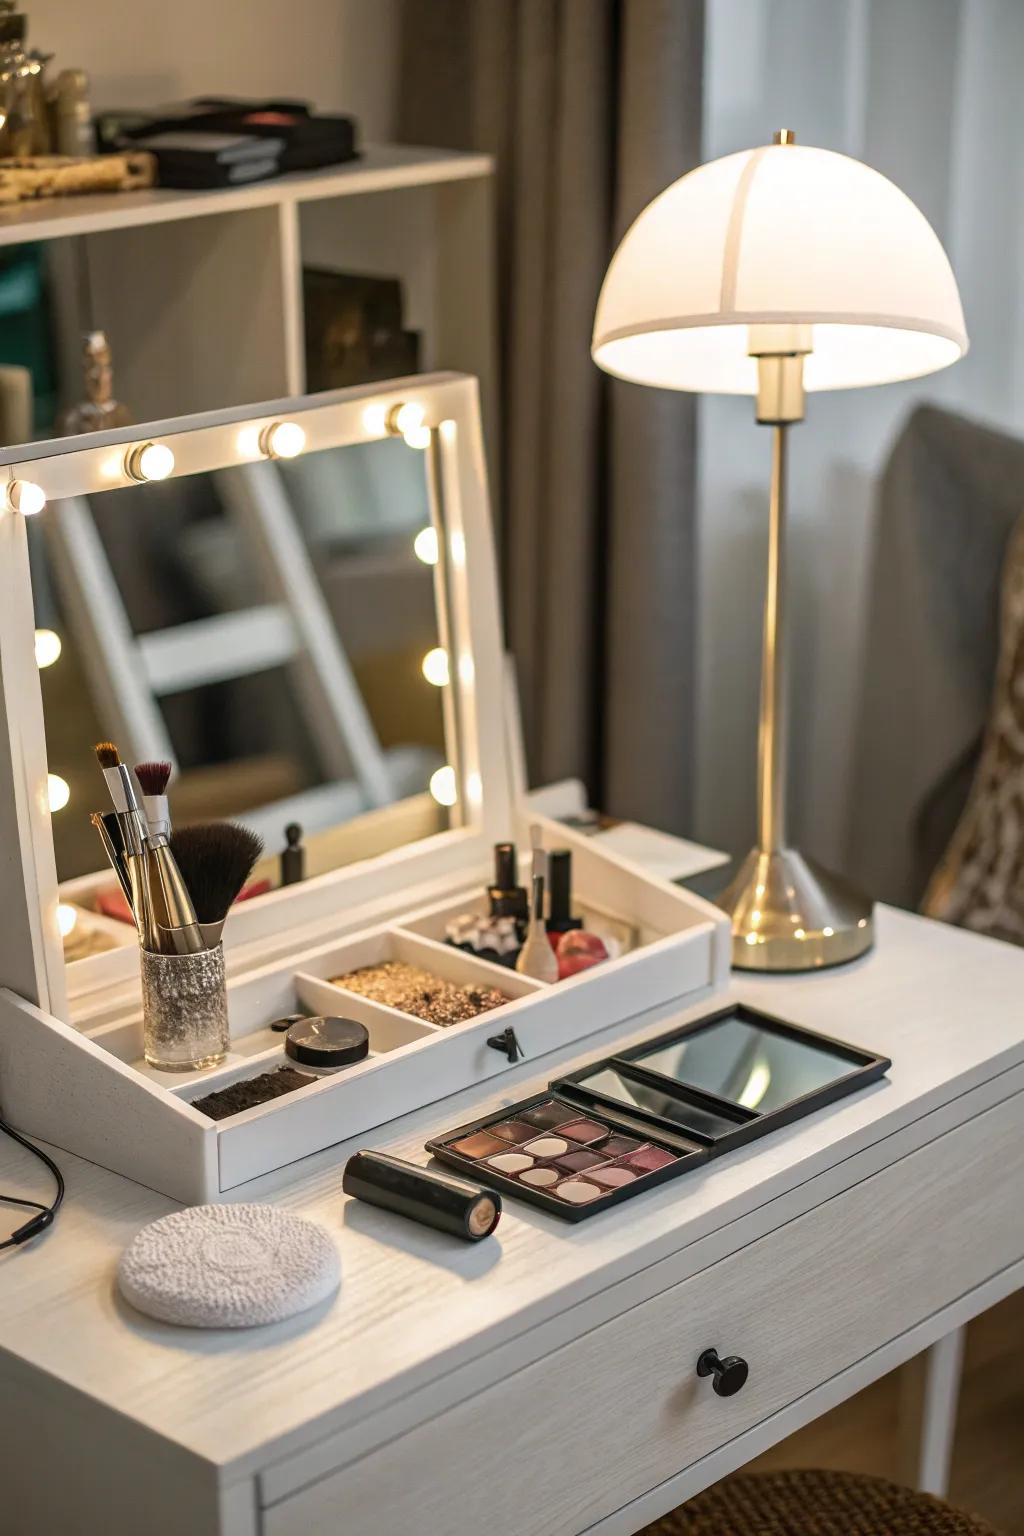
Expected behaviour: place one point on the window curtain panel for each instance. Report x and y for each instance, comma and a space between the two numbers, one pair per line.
590, 108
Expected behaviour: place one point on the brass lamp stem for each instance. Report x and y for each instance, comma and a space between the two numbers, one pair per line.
771, 755
788, 914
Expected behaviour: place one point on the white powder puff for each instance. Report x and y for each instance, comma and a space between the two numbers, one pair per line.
228, 1266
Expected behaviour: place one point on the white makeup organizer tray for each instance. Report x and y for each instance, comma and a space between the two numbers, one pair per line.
73, 1072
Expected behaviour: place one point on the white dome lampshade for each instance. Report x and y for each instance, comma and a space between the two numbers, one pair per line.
779, 235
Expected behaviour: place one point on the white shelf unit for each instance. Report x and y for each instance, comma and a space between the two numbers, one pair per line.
200, 293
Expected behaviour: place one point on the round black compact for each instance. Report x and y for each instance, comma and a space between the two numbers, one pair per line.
327, 1044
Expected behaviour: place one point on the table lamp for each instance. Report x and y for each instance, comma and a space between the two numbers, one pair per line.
771, 272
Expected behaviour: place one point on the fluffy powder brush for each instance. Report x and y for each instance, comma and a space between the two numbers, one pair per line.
215, 859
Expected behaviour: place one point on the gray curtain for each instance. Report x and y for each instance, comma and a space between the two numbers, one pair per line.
591, 107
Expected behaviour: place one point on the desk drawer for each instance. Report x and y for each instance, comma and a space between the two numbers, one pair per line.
571, 1438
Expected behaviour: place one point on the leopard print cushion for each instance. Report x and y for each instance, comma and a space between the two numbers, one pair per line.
979, 881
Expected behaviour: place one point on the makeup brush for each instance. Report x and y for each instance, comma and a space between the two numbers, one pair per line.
169, 926
109, 830
215, 859
133, 831
153, 781
537, 958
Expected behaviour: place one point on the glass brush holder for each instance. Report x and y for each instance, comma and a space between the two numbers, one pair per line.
184, 1010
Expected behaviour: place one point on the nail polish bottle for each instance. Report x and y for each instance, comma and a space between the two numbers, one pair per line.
507, 897
560, 919
537, 958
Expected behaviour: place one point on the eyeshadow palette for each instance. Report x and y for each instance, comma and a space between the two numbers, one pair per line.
572, 1164
626, 1124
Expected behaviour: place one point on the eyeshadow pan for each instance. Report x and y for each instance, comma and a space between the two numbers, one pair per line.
584, 1130
618, 1146
575, 1162
547, 1146
650, 1158
510, 1162
548, 1115
614, 1176
578, 1192
541, 1178
512, 1130
479, 1145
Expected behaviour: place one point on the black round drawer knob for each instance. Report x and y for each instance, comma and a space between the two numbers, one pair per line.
730, 1373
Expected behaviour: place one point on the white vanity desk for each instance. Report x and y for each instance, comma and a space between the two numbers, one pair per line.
542, 1382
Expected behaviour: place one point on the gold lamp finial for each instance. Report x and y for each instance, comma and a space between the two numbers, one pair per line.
783, 136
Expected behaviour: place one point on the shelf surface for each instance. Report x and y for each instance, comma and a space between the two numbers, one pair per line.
380, 168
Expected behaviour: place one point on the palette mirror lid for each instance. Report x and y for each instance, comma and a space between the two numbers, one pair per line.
449, 430
724, 1077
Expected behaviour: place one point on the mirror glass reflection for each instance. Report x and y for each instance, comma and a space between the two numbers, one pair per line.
273, 630
748, 1065
633, 1094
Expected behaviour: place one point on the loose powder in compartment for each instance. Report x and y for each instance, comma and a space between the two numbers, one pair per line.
250, 1091
411, 989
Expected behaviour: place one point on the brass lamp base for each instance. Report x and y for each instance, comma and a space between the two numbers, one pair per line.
789, 914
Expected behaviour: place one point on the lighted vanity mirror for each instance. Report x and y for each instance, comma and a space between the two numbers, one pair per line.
276, 602
270, 629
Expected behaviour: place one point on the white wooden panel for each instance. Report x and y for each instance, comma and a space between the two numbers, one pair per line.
61, 1087
612, 1415
224, 646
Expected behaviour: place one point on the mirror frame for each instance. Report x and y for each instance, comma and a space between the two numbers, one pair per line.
31, 951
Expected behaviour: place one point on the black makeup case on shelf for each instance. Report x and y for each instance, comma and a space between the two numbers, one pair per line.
629, 1122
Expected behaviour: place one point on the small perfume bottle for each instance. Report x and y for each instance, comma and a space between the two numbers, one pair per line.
537, 958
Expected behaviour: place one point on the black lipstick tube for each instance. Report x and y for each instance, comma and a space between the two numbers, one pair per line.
433, 1199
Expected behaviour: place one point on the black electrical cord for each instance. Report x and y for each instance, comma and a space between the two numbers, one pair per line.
44, 1213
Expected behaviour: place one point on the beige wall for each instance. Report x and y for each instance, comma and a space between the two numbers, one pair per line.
336, 53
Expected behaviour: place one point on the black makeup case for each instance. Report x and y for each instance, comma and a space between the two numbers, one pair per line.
659, 1109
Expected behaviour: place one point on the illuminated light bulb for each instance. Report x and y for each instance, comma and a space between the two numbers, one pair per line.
149, 461
48, 647
26, 497
425, 546
57, 791
827, 932
751, 938
435, 667
67, 917
800, 934
247, 443
405, 418
443, 786
283, 440
375, 420
417, 437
